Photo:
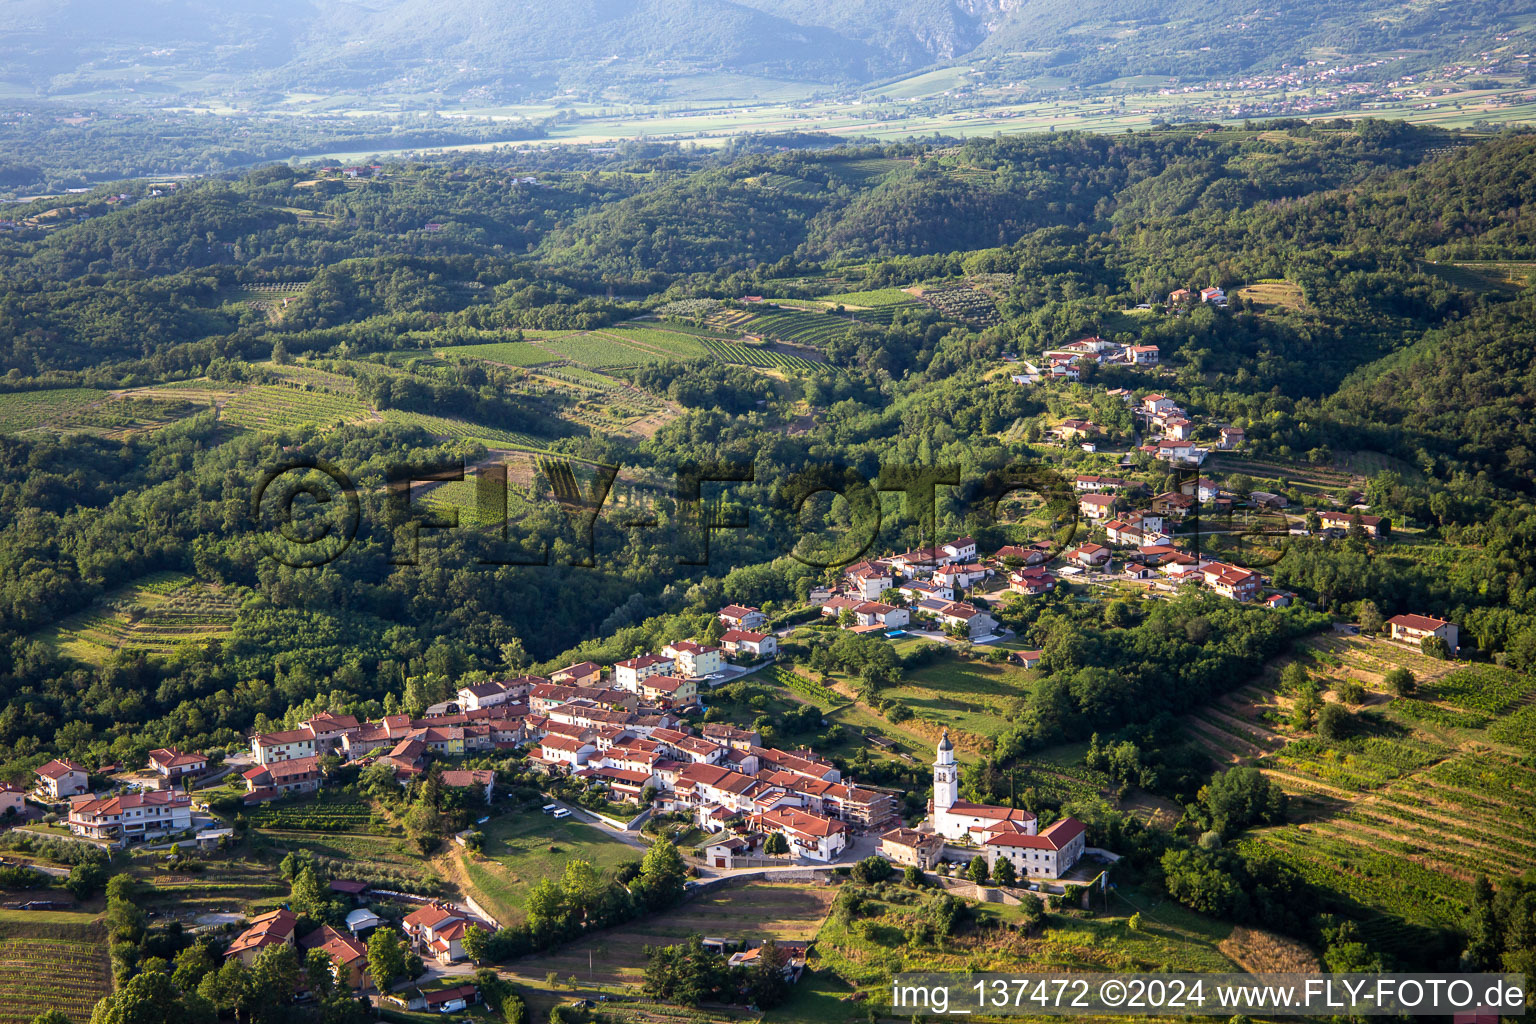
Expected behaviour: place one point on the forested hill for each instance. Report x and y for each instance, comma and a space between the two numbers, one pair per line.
529, 49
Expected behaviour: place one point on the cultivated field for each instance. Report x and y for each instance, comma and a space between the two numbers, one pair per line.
51, 960
1373, 812
158, 612
25, 410
273, 406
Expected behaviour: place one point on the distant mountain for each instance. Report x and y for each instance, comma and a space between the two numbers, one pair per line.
512, 48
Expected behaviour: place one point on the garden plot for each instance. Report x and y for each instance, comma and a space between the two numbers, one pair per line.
157, 613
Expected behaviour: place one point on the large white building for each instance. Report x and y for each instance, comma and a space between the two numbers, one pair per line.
954, 818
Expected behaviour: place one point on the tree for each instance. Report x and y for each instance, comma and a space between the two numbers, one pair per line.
85, 879
977, 872
777, 845
386, 958
1239, 797
662, 875
1332, 721
476, 942
1401, 681
766, 985
1371, 619
309, 896
872, 869
1004, 873
1435, 647
1351, 691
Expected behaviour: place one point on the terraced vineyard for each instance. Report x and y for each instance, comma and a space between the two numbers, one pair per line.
38, 974
312, 377
123, 416
272, 406
748, 355
1420, 797
813, 329
157, 613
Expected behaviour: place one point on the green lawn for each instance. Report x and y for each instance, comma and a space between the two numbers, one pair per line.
522, 848
974, 696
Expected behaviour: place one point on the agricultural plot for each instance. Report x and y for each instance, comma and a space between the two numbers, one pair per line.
463, 430
1272, 294
1295, 474
603, 352
750, 355
28, 410
973, 696
312, 377
523, 848
1373, 811
41, 970
673, 344
274, 406
158, 613
876, 297
510, 353
122, 416
962, 302
812, 329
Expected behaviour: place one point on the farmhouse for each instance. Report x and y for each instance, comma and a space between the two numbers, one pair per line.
349, 957
61, 778
1414, 628
436, 930
1231, 437
298, 775
483, 779
13, 799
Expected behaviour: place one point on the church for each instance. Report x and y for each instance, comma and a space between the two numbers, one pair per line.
954, 818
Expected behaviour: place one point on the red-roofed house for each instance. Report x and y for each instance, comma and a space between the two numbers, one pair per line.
171, 764
436, 931
61, 778
1414, 628
627, 674
483, 779
273, 929
810, 835
1050, 854
737, 616
694, 660
131, 817
744, 641
270, 747
299, 775
348, 955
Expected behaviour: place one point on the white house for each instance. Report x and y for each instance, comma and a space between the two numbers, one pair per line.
962, 550
1414, 628
743, 641
566, 750
271, 747
873, 613
132, 817
61, 778
738, 616
810, 836
694, 660
627, 674
1050, 854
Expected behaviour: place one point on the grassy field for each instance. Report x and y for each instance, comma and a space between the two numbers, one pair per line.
756, 911
1372, 810
51, 960
974, 696
157, 612
522, 848
877, 297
